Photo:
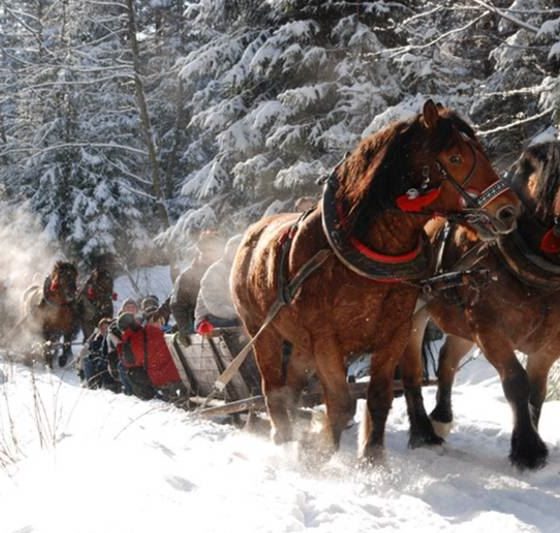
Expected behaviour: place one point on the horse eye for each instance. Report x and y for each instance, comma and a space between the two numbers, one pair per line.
456, 159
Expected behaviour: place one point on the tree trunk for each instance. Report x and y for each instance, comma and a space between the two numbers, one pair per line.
145, 118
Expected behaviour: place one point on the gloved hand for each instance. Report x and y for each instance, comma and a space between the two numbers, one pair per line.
204, 327
184, 337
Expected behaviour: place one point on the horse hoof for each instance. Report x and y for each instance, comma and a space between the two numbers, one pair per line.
372, 456
530, 453
419, 440
441, 429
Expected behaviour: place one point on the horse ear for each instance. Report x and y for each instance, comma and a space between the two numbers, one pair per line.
430, 114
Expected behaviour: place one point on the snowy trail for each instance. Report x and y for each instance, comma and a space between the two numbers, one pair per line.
137, 466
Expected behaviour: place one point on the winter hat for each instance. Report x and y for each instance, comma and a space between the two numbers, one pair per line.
150, 311
126, 321
104, 321
149, 301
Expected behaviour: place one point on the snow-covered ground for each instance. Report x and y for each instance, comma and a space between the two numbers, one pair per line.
74, 460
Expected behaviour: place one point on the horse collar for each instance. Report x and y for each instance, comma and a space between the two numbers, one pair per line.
48, 290
356, 256
529, 267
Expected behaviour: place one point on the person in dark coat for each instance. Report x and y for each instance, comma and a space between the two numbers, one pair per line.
95, 363
187, 285
147, 360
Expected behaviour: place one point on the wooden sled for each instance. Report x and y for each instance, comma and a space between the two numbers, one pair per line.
201, 362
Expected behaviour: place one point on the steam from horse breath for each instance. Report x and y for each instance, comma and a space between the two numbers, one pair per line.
26, 258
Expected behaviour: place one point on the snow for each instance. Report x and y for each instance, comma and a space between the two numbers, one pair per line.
75, 460
117, 464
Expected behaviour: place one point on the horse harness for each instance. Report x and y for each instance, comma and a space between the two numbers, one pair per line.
47, 289
511, 251
414, 267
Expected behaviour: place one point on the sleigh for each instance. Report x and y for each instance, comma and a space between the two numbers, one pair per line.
204, 359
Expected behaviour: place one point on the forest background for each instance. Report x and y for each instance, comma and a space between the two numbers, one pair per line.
127, 126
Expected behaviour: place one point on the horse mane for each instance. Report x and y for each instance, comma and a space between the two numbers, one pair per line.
379, 169
61, 266
543, 159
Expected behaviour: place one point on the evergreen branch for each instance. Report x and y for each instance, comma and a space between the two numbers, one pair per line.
515, 124
127, 173
138, 192
506, 16
404, 49
72, 145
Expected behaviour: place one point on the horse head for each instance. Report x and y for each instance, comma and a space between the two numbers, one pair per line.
99, 285
536, 179
61, 288
431, 165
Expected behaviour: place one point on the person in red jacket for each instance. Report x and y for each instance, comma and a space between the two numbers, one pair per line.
147, 360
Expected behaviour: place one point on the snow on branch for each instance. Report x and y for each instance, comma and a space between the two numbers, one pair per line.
72, 145
506, 16
404, 49
515, 124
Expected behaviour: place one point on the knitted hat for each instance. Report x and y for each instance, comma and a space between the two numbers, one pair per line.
126, 321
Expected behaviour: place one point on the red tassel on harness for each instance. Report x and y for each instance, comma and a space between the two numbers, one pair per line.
115, 297
90, 293
550, 243
412, 204
53, 286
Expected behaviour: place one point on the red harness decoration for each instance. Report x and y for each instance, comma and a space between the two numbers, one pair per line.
90, 293
408, 204
378, 256
550, 243
383, 258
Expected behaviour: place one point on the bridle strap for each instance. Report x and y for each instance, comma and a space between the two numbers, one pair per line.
486, 196
460, 187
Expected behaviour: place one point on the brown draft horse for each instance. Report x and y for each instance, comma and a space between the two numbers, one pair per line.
368, 231
518, 310
95, 300
49, 311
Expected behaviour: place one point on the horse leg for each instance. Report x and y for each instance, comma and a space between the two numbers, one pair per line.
66, 350
331, 372
48, 352
279, 397
538, 367
452, 351
421, 429
527, 448
380, 393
